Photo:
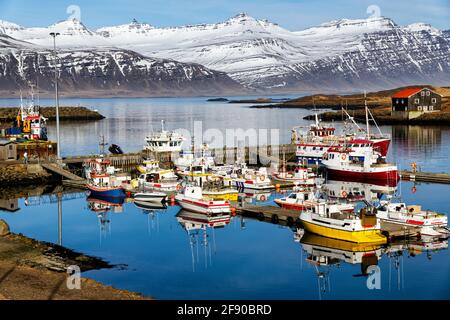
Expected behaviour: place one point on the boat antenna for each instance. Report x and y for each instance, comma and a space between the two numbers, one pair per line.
162, 125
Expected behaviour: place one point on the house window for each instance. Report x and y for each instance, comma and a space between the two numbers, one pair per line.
433, 100
402, 101
422, 93
416, 100
419, 108
431, 108
428, 93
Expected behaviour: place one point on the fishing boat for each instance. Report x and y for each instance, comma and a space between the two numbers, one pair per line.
253, 180
102, 179
156, 178
341, 165
192, 199
150, 197
299, 176
188, 158
303, 199
430, 223
314, 142
216, 189
328, 220
164, 141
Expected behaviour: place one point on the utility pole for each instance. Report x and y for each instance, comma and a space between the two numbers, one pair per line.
58, 148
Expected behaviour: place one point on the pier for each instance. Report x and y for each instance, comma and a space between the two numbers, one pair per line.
272, 213
425, 177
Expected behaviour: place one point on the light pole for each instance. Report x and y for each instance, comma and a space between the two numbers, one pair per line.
58, 148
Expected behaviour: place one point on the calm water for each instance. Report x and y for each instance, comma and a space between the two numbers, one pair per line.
128, 121
247, 259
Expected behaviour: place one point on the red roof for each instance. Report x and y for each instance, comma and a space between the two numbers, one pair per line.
405, 93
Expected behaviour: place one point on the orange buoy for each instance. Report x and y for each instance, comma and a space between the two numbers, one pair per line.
233, 211
172, 200
277, 186
129, 194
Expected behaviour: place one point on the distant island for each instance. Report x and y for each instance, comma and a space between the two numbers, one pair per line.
379, 103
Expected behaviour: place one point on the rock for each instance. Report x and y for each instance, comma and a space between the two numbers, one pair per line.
4, 228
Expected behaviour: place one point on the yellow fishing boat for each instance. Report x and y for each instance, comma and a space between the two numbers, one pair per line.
328, 220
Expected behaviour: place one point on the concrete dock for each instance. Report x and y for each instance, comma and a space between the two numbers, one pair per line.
425, 177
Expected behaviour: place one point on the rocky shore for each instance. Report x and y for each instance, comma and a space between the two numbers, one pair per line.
65, 113
37, 270
21, 174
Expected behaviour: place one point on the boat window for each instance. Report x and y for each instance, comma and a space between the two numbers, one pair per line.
306, 197
314, 148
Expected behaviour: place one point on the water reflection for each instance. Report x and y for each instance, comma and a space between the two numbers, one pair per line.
101, 206
200, 228
193, 256
326, 253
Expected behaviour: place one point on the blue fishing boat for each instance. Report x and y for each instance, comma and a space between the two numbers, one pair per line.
102, 179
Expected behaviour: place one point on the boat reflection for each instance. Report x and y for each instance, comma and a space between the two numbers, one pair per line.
200, 228
101, 206
356, 191
324, 253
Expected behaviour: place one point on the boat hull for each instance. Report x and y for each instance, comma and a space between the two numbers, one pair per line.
202, 207
363, 236
388, 178
116, 192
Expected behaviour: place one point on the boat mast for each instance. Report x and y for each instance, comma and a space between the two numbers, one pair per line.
367, 116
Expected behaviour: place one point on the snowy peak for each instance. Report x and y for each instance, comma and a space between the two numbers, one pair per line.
135, 27
9, 27
71, 27
352, 26
420, 27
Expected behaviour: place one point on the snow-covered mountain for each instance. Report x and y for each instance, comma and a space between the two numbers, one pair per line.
371, 53
85, 72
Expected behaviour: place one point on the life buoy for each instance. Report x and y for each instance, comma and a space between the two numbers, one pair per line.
413, 189
344, 194
343, 156
263, 198
178, 187
262, 178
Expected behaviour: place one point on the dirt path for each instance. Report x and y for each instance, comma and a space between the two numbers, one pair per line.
34, 270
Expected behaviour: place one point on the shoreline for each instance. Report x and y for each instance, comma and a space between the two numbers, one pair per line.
36, 270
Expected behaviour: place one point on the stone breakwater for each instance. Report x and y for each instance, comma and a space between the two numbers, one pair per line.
21, 174
65, 113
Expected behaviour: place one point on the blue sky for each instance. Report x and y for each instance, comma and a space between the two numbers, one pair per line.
290, 14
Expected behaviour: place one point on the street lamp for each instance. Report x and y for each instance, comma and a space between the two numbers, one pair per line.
58, 151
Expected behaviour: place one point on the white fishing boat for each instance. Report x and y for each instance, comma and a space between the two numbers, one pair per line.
200, 157
430, 223
150, 197
164, 141
299, 176
340, 164
156, 178
192, 199
328, 220
253, 180
306, 198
